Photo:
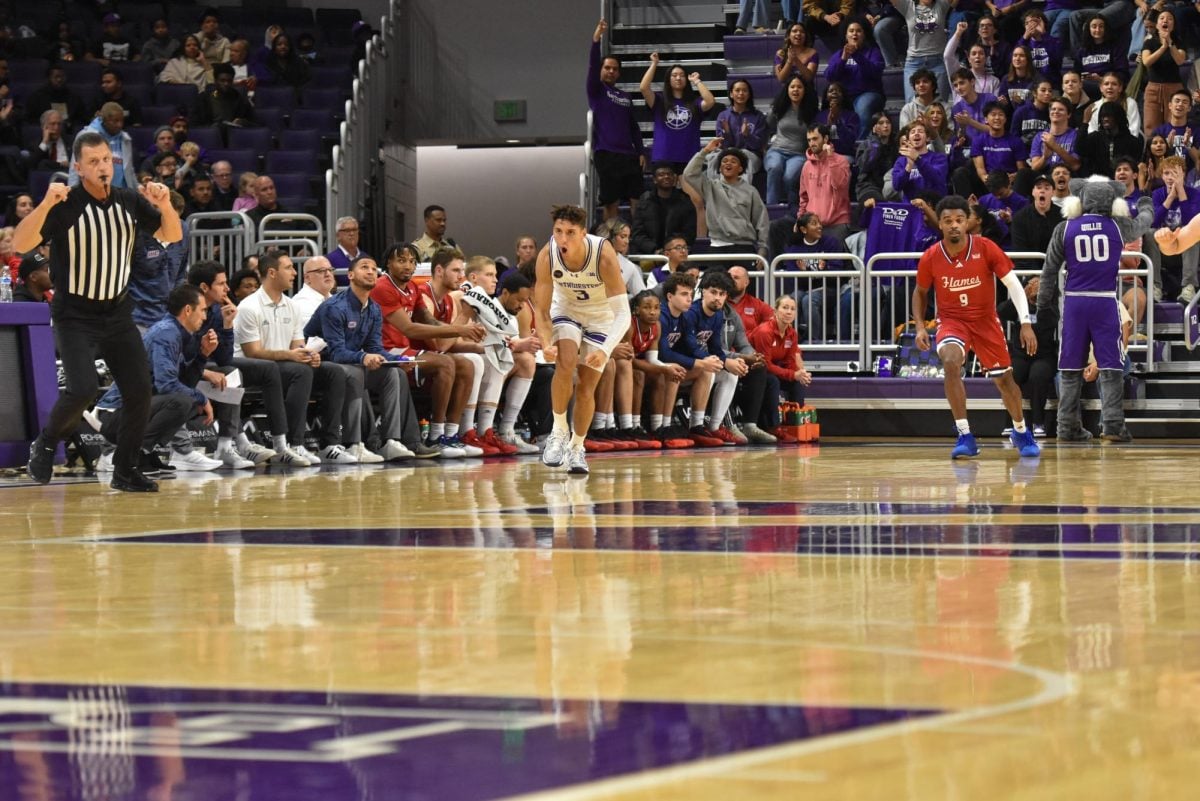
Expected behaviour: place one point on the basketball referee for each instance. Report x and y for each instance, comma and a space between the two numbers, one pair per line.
91, 229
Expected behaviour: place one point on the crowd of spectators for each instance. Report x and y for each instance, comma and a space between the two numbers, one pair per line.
1003, 103
996, 95
166, 92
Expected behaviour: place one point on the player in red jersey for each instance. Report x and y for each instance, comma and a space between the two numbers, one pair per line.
963, 270
405, 324
447, 269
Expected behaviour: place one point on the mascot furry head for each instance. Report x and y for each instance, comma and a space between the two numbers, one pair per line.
1095, 195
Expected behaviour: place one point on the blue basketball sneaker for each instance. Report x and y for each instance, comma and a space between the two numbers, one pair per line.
1023, 442
965, 448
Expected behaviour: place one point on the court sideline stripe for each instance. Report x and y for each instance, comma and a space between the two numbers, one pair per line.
1055, 686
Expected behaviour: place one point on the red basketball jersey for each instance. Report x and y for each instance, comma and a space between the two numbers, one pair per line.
391, 297
643, 338
443, 311
964, 285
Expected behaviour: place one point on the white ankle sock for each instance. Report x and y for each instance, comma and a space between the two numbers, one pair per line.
963, 426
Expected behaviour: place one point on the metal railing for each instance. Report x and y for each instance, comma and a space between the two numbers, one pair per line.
355, 168
228, 245
299, 250
878, 338
870, 303
814, 290
756, 276
281, 226
1191, 317
587, 178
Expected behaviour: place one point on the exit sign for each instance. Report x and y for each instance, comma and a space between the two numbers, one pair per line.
508, 110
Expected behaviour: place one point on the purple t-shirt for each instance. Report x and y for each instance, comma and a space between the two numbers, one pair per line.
1064, 140
1045, 55
1179, 213
1180, 139
862, 72
844, 132
931, 173
897, 228
614, 129
1102, 59
1017, 90
1028, 121
975, 110
676, 129
826, 244
999, 152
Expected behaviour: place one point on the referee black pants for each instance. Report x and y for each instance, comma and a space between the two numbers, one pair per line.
81, 336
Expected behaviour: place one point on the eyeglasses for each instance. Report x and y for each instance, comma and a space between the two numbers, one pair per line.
347, 230
318, 271
222, 175
677, 247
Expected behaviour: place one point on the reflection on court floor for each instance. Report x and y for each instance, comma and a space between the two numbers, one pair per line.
869, 622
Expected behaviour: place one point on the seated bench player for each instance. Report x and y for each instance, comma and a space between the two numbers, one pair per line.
506, 355
406, 326
691, 336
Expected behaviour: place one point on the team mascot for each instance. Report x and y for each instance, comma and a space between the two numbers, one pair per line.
1088, 245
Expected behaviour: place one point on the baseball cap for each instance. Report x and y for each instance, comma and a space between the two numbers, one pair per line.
1042, 178
112, 19
31, 264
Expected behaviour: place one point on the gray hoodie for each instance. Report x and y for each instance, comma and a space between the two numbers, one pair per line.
735, 212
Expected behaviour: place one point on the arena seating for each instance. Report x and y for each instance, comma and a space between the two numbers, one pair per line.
698, 37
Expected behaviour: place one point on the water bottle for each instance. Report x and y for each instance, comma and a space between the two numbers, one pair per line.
5, 285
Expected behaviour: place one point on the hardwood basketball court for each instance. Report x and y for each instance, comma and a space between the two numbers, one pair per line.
852, 620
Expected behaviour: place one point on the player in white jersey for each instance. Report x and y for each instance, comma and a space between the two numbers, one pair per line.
579, 296
507, 357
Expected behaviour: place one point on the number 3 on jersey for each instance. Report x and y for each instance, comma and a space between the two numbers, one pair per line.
581, 294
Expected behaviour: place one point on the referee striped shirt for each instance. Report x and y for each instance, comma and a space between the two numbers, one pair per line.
91, 242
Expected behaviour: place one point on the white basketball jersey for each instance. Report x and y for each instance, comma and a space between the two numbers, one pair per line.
584, 289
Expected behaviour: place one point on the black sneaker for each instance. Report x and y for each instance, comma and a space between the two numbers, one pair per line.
133, 481
41, 461
1074, 435
151, 464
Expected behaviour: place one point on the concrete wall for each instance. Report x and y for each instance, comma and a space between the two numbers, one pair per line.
465, 55
492, 195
